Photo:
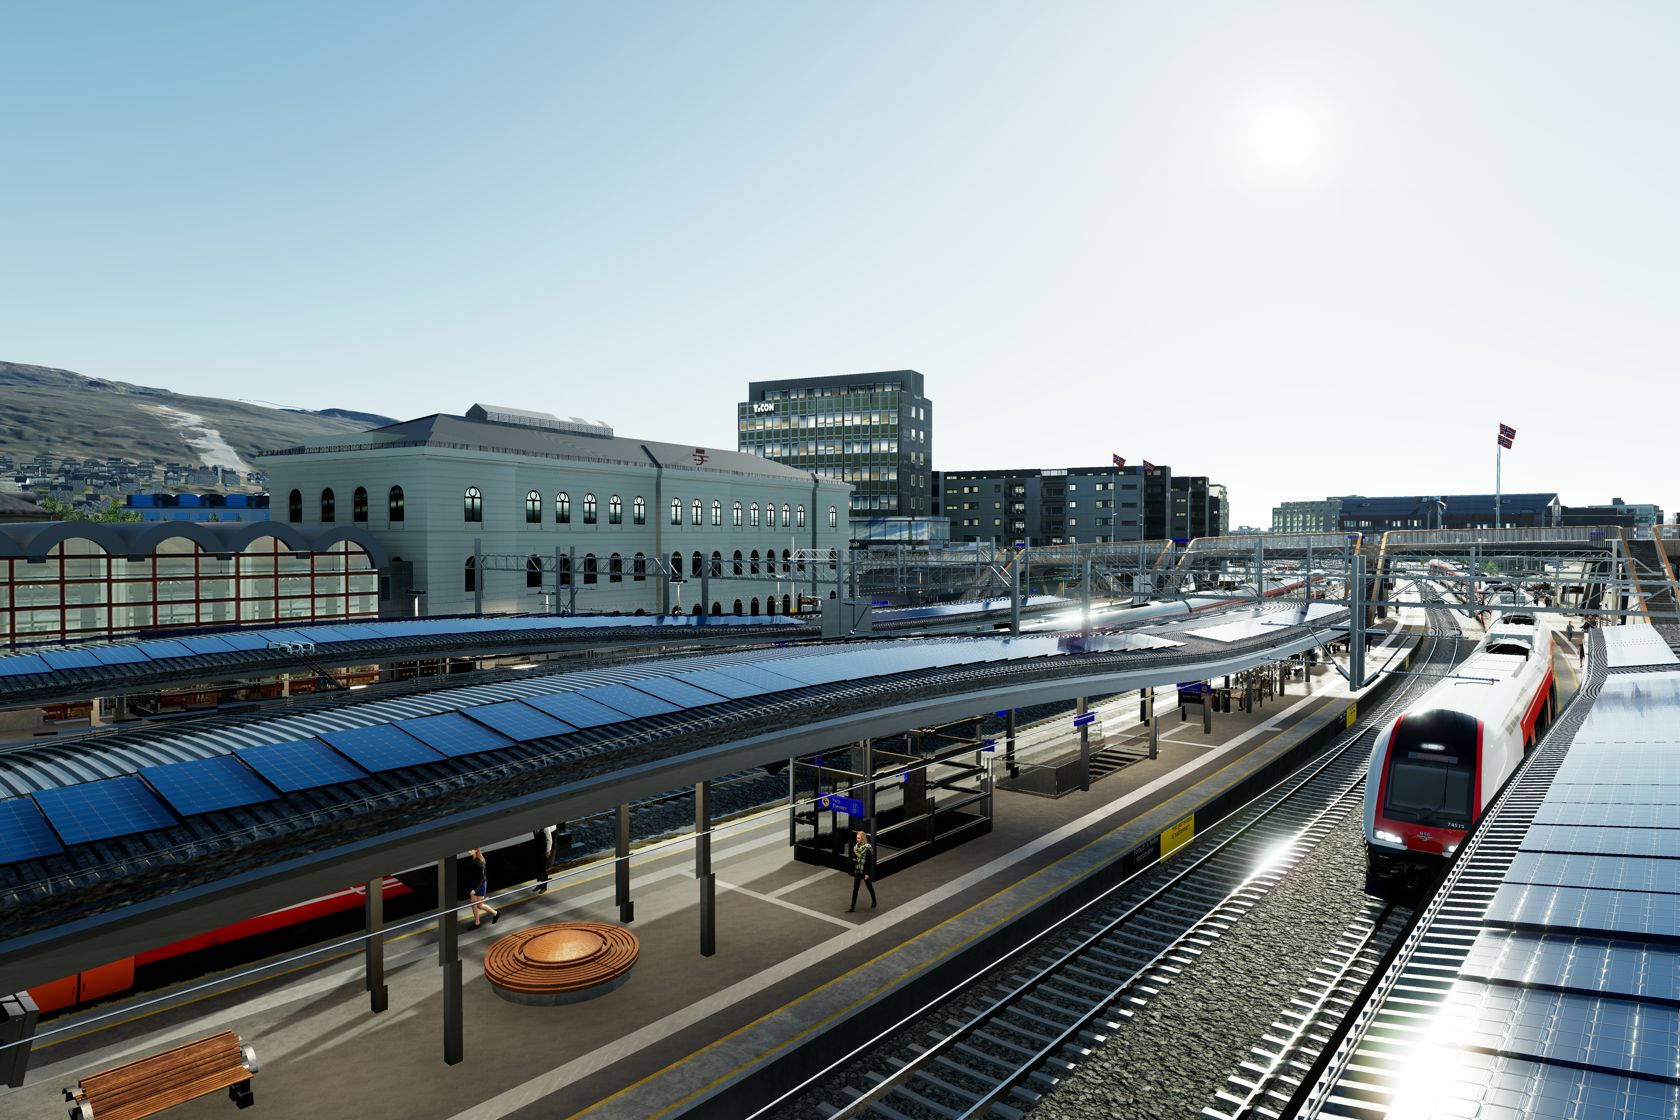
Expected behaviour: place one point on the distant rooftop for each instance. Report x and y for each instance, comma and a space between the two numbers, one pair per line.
547, 421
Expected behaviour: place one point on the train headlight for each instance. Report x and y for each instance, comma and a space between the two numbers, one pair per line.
1451, 848
1389, 837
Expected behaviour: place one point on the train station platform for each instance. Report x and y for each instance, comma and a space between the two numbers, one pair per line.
794, 974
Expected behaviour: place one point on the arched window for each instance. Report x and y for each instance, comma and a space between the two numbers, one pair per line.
329, 507
736, 514
638, 568
717, 512
695, 563
533, 564
676, 511
696, 511
589, 509
394, 506
785, 521
471, 581
833, 518
562, 508
717, 607
615, 568
640, 511
787, 562
563, 570
294, 507
737, 608
676, 566
752, 518
615, 510
754, 569
717, 564
770, 605
737, 569
358, 505
533, 508
799, 518
472, 505
591, 573
787, 604
699, 608
755, 604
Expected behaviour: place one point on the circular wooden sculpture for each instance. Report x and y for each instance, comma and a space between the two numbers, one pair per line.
565, 963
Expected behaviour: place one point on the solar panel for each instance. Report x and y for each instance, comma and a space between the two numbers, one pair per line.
117, 655
824, 669
1622, 873
579, 711
454, 734
24, 833
1605, 912
713, 681
1623, 813
384, 747
244, 641
102, 810
27, 665
164, 649
517, 720
302, 764
206, 645
763, 679
630, 701
69, 659
205, 785
677, 692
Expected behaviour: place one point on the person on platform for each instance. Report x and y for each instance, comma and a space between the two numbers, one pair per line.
863, 868
481, 888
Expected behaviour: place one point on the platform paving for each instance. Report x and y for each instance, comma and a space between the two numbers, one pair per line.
790, 959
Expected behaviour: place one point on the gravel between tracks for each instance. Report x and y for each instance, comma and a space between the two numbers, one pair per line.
1173, 1056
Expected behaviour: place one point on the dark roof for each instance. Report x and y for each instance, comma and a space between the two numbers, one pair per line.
18, 506
909, 379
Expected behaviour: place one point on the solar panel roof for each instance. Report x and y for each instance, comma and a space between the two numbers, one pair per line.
576, 709
763, 679
24, 832
713, 681
69, 659
166, 648
303, 764
22, 666
630, 701
517, 720
118, 655
207, 785
677, 692
206, 644
102, 810
381, 747
454, 734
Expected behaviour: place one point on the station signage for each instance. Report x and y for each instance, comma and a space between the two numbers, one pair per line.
834, 803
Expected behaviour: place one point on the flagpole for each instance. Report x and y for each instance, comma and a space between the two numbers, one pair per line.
1498, 456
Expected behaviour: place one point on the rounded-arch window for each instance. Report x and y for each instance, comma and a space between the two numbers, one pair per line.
736, 570
638, 567
753, 570
615, 568
752, 518
470, 582
591, 573
329, 506
696, 511
472, 505
785, 520
799, 518
563, 570
695, 563
395, 507
533, 508
358, 504
717, 564
589, 509
676, 566
562, 508
676, 511
787, 562
639, 510
717, 512
735, 513
833, 518
717, 607
755, 604
737, 607
615, 510
533, 566
294, 507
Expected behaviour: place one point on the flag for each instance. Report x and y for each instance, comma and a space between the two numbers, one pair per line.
1119, 462
1504, 442
1148, 466
1507, 431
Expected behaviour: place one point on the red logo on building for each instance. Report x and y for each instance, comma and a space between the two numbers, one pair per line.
699, 456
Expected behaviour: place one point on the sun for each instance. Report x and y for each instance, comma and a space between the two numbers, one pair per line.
1285, 141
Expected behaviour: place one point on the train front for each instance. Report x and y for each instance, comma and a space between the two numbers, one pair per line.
1421, 792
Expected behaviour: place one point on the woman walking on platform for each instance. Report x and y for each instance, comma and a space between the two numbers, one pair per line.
863, 869
481, 888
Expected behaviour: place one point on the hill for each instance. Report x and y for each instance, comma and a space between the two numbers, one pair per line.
71, 415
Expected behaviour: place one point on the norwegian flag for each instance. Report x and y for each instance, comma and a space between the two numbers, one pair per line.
1505, 442
1148, 466
1507, 431
1118, 461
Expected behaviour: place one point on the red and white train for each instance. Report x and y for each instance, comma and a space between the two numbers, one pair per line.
1436, 767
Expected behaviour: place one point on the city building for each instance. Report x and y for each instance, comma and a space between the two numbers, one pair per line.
1324, 516
71, 580
1448, 511
871, 430
1079, 505
198, 507
1627, 515
506, 510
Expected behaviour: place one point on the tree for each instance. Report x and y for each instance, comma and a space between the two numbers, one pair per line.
111, 512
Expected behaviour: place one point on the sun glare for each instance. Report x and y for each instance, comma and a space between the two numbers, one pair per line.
1285, 142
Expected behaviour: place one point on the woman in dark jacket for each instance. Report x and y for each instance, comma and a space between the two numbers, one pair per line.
863, 868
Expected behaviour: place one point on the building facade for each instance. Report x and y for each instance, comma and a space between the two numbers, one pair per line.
1323, 516
504, 510
1628, 515
1448, 511
873, 431
1079, 505
79, 580
198, 507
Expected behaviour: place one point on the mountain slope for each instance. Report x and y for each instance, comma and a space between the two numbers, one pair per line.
68, 414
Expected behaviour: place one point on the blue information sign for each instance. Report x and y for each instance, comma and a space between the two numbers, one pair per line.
833, 802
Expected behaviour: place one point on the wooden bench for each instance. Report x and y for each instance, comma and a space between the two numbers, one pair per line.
164, 1080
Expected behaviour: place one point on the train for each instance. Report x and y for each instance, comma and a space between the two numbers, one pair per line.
1436, 766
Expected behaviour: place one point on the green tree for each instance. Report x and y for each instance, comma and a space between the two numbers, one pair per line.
112, 511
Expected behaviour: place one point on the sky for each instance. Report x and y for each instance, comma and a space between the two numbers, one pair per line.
1302, 248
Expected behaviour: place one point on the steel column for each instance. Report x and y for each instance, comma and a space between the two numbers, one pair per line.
18, 1016
374, 950
449, 959
703, 867
1154, 727
1009, 747
621, 868
478, 576
1084, 746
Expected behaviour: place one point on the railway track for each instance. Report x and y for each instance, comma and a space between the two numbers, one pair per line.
1029, 1018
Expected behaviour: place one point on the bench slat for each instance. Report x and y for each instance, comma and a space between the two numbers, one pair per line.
149, 1085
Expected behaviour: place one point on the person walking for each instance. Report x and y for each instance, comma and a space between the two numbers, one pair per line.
863, 868
546, 836
481, 888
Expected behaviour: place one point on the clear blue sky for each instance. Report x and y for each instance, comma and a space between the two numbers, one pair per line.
1302, 248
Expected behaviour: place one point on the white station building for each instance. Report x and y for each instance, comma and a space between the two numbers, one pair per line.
504, 510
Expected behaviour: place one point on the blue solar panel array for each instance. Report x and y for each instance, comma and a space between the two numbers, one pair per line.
518, 720
305, 764
576, 709
384, 746
24, 833
103, 810
207, 785
454, 735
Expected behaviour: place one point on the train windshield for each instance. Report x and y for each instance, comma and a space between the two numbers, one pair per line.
1432, 770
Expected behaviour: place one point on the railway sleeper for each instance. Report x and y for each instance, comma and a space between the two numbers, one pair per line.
985, 1058
921, 1100
945, 1061
1004, 1044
